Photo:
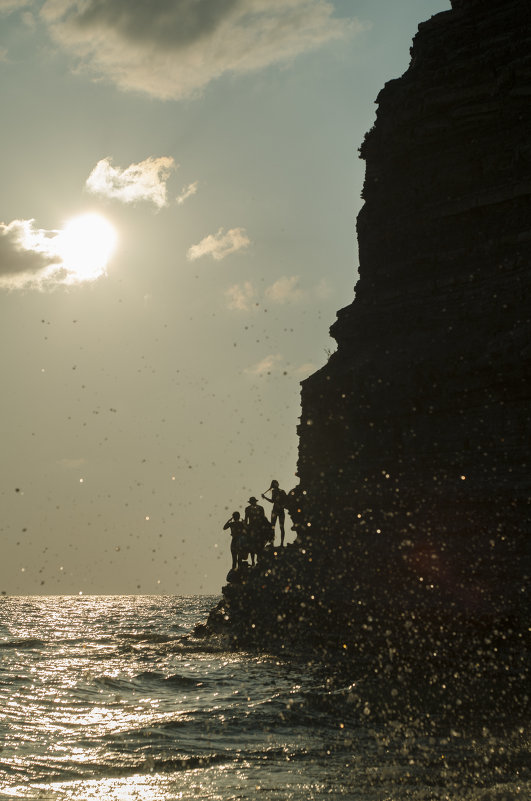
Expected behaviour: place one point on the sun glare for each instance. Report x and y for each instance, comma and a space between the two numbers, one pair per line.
85, 246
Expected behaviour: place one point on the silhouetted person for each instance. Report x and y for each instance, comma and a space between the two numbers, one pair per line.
278, 499
295, 506
237, 530
259, 530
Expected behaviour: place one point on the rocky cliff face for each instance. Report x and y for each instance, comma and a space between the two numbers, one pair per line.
412, 560
415, 437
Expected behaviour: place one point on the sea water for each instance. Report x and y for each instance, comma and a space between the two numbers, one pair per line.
114, 698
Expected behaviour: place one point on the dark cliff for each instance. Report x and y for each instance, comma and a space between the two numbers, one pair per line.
414, 437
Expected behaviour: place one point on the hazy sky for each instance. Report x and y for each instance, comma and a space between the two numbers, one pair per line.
180, 182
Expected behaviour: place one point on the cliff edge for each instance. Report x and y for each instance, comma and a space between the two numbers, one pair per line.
413, 499
414, 438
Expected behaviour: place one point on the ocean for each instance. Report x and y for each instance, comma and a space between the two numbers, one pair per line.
113, 698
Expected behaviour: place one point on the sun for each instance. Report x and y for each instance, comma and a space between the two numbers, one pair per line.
85, 246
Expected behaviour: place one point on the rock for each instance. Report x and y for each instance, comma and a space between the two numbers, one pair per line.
201, 630
414, 437
413, 502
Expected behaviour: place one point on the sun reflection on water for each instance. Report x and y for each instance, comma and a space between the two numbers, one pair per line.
112, 698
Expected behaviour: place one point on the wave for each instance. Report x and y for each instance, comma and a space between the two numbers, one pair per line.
177, 679
122, 768
113, 683
183, 644
149, 678
30, 642
215, 644
144, 636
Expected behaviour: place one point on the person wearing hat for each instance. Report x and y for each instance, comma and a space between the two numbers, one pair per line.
258, 528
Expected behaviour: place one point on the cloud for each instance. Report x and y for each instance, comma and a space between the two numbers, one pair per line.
274, 362
220, 245
172, 49
304, 370
241, 296
27, 255
322, 290
285, 290
266, 365
143, 181
7, 6
34, 258
187, 191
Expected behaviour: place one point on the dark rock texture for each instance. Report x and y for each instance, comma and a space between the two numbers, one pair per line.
414, 438
412, 559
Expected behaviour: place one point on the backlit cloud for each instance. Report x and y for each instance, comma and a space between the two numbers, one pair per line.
7, 6
174, 48
241, 296
143, 181
220, 244
285, 290
27, 255
304, 370
275, 363
34, 258
187, 191
266, 366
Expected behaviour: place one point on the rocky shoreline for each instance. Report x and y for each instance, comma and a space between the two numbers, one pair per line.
413, 555
470, 670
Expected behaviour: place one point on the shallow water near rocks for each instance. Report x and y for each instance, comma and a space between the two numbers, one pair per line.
113, 698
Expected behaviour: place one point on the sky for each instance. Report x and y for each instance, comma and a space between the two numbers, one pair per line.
180, 183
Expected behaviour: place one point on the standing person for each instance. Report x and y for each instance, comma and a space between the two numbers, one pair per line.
278, 499
237, 530
257, 526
